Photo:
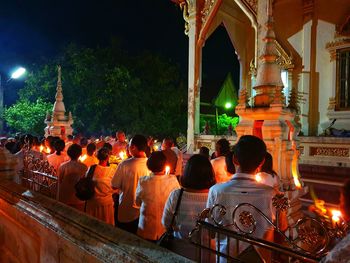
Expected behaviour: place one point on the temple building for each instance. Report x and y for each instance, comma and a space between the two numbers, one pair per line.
58, 124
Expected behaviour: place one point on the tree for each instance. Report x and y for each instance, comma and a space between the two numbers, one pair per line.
27, 117
108, 90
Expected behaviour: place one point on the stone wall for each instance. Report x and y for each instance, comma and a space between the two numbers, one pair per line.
34, 228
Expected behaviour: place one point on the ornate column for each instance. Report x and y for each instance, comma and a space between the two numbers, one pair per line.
192, 17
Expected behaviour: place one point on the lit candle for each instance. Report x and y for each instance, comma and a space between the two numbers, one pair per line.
48, 150
336, 214
122, 155
297, 182
41, 148
82, 158
167, 169
258, 178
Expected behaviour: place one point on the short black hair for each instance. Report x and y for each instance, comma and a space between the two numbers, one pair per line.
156, 162
59, 146
83, 142
249, 151
102, 154
198, 173
91, 148
69, 137
108, 146
204, 151
140, 142
74, 151
222, 146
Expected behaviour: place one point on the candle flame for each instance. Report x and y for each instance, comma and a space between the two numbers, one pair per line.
336, 214
41, 148
297, 182
82, 158
122, 155
48, 150
167, 169
258, 178
319, 204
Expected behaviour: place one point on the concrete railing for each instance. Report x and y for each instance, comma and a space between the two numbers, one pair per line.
35, 228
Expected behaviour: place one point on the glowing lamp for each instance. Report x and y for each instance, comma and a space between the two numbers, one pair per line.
258, 178
228, 105
167, 169
82, 158
18, 73
336, 214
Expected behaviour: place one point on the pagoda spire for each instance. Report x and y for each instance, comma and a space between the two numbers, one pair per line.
59, 108
269, 83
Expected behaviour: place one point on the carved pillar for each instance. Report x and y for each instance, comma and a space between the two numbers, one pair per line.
192, 18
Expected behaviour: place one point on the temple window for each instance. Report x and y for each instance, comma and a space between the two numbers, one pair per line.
343, 79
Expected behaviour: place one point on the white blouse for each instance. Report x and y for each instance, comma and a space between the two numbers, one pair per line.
152, 193
192, 204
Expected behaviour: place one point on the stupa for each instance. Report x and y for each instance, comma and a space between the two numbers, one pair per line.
57, 123
270, 119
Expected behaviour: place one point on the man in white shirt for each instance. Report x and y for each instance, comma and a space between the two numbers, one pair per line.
126, 179
249, 154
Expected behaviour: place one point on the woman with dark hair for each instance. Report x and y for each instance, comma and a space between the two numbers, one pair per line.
101, 204
222, 148
58, 157
196, 180
151, 194
267, 175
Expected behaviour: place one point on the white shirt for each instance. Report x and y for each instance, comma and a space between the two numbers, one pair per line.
152, 193
126, 179
192, 204
243, 188
220, 170
56, 160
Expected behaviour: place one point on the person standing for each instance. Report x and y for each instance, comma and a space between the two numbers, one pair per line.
120, 144
151, 194
126, 179
101, 204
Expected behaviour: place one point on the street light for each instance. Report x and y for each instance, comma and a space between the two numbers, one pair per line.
16, 74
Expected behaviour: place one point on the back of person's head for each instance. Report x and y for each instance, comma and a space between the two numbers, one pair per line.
156, 162
230, 167
59, 146
108, 146
83, 142
103, 154
140, 142
198, 173
204, 151
69, 137
345, 200
222, 147
249, 152
168, 142
267, 167
74, 151
90, 148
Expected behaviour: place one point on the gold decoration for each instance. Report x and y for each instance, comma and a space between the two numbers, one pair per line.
283, 59
252, 69
184, 6
332, 103
326, 151
280, 202
208, 5
243, 97
252, 5
246, 219
309, 236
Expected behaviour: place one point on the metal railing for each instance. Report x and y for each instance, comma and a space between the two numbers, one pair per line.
224, 237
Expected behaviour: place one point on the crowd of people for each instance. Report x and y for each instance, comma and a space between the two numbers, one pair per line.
142, 192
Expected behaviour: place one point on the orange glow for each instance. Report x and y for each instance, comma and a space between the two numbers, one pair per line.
41, 148
167, 169
258, 178
82, 158
48, 150
336, 214
122, 155
319, 204
296, 182
155, 148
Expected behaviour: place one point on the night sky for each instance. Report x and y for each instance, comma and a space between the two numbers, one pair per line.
34, 29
